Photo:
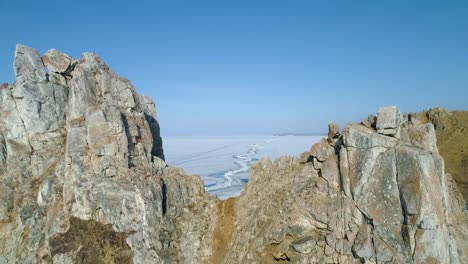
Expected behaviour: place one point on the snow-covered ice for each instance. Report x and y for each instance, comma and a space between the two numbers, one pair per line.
224, 162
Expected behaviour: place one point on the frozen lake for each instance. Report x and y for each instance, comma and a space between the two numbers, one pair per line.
224, 162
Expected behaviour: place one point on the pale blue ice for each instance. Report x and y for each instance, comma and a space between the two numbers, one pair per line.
223, 162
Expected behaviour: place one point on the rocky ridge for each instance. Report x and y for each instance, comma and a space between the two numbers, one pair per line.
370, 195
83, 180
81, 154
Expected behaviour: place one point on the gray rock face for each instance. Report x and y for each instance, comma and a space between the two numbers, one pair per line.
83, 180
82, 144
28, 65
389, 120
57, 62
372, 119
321, 150
376, 199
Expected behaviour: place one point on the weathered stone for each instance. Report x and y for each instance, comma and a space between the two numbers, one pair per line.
431, 246
83, 180
330, 172
58, 62
422, 136
45, 193
363, 244
28, 65
366, 123
6, 202
372, 119
438, 117
317, 164
322, 150
380, 192
59, 67
383, 251
389, 120
305, 157
344, 172
80, 142
304, 246
41, 106
333, 133
363, 148
359, 137
421, 181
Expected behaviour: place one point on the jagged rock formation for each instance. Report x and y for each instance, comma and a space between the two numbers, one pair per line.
369, 198
83, 181
80, 153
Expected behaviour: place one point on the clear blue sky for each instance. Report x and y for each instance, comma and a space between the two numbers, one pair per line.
260, 67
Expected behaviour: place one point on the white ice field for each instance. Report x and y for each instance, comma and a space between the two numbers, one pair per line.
224, 162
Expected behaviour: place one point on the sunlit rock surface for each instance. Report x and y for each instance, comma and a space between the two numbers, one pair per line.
83, 180
452, 141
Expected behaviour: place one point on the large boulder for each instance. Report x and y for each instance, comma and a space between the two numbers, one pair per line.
389, 120
321, 150
28, 65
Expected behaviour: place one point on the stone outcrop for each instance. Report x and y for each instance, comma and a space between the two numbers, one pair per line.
388, 121
452, 141
373, 198
80, 152
83, 180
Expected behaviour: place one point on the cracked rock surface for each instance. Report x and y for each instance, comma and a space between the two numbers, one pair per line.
80, 152
373, 199
83, 180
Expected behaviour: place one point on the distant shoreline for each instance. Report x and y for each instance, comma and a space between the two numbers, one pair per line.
244, 135
297, 134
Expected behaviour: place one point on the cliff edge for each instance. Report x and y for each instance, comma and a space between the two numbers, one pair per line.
83, 180
452, 140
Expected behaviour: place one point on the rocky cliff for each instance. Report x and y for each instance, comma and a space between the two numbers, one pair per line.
83, 181
82, 175
452, 141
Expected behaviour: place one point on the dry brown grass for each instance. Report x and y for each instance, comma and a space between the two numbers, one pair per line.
453, 146
92, 242
223, 231
452, 142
